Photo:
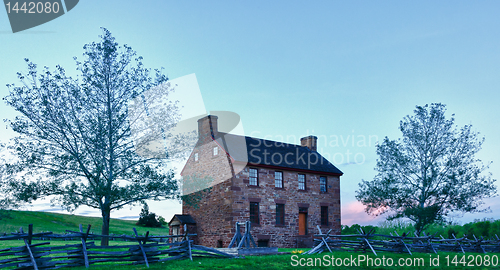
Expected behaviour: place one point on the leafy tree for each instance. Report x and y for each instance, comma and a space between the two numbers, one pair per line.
89, 141
148, 219
429, 173
162, 221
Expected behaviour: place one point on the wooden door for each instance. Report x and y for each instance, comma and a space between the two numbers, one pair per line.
175, 231
302, 223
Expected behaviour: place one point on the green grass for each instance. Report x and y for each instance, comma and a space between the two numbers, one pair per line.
290, 261
59, 223
286, 262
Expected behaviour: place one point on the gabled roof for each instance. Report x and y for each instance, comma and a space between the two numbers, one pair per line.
274, 154
183, 219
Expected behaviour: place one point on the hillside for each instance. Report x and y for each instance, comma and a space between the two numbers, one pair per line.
59, 223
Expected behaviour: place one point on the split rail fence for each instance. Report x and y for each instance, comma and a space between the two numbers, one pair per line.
146, 250
370, 242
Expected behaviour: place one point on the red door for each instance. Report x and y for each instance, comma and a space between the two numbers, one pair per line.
302, 223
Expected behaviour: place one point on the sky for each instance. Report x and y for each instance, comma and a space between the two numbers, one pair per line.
344, 71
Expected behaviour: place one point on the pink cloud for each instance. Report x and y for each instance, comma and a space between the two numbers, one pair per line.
354, 213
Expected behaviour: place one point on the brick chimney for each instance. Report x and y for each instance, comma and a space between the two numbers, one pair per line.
207, 127
310, 142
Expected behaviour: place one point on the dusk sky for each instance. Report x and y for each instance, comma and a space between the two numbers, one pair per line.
344, 71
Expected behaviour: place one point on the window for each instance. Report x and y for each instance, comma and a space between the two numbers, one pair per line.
322, 184
302, 182
262, 243
324, 215
195, 156
254, 213
216, 151
278, 179
254, 177
280, 214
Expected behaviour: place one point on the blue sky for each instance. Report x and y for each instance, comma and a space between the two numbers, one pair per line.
335, 69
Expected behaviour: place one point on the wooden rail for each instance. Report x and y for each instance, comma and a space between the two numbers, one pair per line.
148, 249
370, 242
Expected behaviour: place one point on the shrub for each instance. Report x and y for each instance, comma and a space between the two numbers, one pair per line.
356, 228
487, 228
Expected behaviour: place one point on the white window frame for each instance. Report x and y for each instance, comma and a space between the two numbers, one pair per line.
251, 177
323, 187
278, 179
304, 183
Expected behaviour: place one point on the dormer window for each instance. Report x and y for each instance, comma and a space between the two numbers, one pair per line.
216, 151
195, 156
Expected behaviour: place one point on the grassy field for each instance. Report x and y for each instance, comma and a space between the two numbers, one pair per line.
341, 260
59, 223
324, 261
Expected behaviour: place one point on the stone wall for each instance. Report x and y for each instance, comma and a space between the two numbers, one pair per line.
268, 196
211, 206
217, 199
217, 208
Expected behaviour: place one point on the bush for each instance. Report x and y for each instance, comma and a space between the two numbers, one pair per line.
356, 228
454, 230
396, 226
148, 219
486, 228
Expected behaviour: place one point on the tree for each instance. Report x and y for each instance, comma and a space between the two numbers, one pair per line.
148, 219
429, 173
91, 140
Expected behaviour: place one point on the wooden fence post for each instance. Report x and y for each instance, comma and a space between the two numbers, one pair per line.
27, 243
141, 247
30, 256
237, 236
84, 245
188, 242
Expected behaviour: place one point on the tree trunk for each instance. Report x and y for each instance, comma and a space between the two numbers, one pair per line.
418, 228
106, 215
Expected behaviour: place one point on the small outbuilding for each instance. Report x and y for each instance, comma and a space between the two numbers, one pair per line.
176, 226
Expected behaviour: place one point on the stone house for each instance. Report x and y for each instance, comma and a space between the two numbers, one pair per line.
285, 190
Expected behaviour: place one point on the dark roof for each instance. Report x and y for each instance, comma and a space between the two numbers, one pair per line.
184, 219
276, 154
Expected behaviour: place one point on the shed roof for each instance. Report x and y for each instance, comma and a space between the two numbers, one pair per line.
183, 219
